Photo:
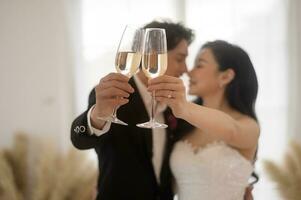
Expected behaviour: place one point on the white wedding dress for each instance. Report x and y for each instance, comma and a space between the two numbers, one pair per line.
214, 172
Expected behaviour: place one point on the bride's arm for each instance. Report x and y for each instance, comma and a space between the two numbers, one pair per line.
242, 133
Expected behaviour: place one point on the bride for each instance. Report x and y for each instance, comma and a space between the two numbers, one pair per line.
215, 161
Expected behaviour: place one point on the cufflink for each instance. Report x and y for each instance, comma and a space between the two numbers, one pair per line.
79, 129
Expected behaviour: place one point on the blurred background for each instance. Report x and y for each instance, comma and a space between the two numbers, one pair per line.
53, 52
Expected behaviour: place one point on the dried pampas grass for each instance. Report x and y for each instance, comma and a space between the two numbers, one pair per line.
72, 177
288, 175
8, 187
45, 171
51, 174
17, 159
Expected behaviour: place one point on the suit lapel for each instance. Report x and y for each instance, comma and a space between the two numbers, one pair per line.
141, 116
137, 112
165, 175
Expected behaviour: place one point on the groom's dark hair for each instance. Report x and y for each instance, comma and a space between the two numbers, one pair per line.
175, 32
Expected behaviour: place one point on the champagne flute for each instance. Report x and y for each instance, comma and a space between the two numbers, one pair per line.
127, 60
154, 64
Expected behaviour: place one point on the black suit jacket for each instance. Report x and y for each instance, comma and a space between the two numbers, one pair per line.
125, 152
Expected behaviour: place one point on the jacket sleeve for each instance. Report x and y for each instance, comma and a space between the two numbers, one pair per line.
81, 138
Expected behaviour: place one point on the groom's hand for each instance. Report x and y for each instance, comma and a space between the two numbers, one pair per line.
113, 90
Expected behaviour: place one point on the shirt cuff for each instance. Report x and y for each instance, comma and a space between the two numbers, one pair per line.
95, 131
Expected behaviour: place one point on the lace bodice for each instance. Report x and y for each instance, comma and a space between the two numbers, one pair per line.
214, 172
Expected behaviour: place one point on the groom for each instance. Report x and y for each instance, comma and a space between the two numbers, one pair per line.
134, 162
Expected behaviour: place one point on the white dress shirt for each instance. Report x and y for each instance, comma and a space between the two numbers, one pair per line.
159, 134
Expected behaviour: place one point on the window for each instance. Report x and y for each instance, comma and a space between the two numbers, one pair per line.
257, 26
260, 28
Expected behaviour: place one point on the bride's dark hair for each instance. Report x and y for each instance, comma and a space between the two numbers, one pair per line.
241, 92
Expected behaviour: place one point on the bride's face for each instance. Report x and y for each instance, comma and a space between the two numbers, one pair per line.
204, 77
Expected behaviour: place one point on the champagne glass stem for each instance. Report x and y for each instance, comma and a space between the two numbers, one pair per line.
153, 107
114, 118
115, 112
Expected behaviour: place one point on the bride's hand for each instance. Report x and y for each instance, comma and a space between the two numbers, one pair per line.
171, 91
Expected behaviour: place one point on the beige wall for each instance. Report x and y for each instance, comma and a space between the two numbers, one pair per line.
36, 70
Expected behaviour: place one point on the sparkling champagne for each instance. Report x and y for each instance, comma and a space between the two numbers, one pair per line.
154, 65
127, 63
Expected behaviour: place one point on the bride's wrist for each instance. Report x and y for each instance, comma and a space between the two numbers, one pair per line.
184, 110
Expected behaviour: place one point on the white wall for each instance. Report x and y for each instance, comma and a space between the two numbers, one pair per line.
35, 70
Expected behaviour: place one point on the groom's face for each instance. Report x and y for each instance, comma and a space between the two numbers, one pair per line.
177, 59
